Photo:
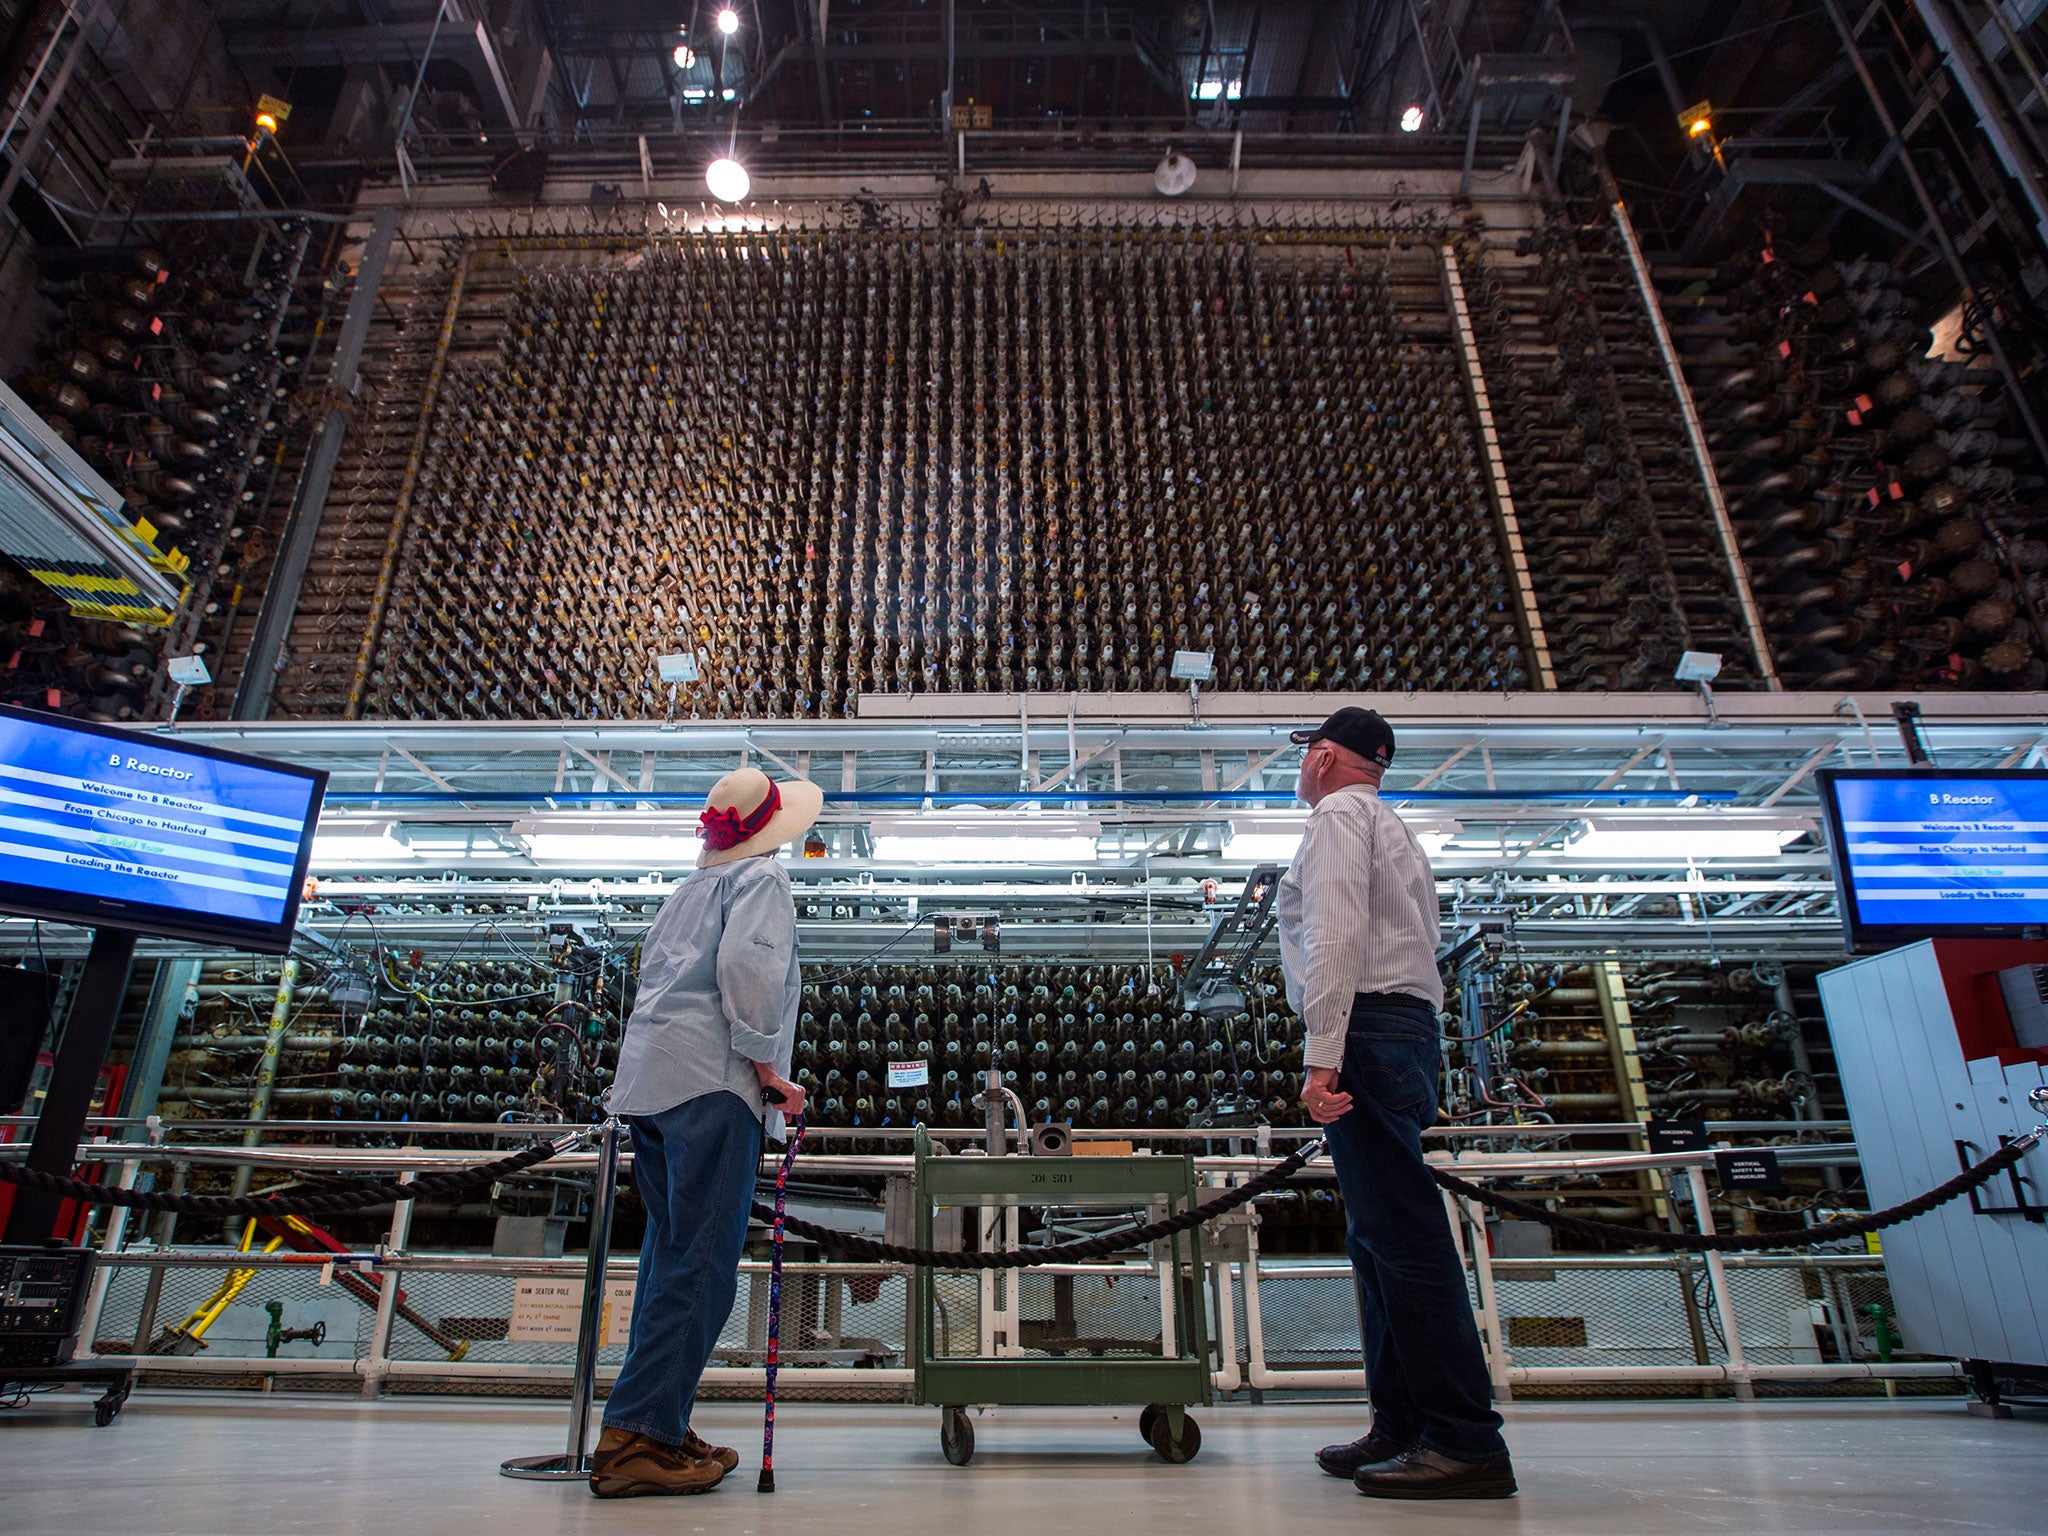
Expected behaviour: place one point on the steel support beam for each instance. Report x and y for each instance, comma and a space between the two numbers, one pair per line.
295, 549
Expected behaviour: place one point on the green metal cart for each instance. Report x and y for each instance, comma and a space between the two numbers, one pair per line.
1056, 1359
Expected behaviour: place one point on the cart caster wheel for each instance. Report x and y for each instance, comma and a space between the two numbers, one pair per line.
103, 1413
956, 1436
1172, 1450
1146, 1420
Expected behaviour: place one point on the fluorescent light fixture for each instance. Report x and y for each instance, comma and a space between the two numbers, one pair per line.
1411, 120
727, 179
1210, 90
1274, 839
1018, 839
457, 839
623, 850
631, 842
1701, 838
340, 843
1264, 847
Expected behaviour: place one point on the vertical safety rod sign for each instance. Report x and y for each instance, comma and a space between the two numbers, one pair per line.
1496, 467
302, 526
1710, 482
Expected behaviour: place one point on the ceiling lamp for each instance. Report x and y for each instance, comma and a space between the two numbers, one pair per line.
685, 56
1411, 120
727, 179
1174, 175
728, 21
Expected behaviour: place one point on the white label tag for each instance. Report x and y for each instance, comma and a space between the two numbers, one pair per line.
618, 1311
909, 1074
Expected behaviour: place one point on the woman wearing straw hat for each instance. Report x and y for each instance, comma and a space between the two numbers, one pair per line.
710, 1039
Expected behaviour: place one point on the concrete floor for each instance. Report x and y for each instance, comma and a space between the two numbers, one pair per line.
242, 1463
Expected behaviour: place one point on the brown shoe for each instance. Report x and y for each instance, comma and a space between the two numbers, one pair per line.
627, 1465
704, 1450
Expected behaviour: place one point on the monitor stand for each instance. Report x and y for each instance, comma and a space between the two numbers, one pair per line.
88, 1031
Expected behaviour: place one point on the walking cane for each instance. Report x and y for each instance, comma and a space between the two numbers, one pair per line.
767, 1483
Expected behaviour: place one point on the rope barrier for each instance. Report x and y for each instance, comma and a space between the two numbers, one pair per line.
304, 1203
1109, 1243
1973, 1177
1084, 1250
1081, 1251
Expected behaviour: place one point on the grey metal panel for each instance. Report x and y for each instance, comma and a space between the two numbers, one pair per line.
1964, 1284
1859, 1004
1858, 1017
1932, 1078
2017, 1249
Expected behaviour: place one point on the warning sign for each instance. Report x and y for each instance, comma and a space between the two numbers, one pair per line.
909, 1074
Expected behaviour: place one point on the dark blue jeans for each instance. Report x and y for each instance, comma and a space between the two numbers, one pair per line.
1423, 1364
694, 1167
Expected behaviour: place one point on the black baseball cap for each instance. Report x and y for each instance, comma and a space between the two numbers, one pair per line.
1364, 731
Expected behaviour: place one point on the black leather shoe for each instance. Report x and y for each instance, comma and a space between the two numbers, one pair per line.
1425, 1474
1344, 1460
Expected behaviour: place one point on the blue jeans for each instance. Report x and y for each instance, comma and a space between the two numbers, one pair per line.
1423, 1364
694, 1166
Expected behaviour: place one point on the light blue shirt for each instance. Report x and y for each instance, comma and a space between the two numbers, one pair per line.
719, 991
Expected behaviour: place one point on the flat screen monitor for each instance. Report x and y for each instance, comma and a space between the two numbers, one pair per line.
1920, 853
119, 829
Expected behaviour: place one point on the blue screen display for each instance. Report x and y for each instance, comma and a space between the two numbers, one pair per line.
137, 821
1936, 852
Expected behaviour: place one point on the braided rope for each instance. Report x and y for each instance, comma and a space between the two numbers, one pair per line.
301, 1203
1081, 1251
1110, 1243
1973, 1177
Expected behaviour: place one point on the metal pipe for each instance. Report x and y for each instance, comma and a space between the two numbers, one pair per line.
266, 1069
387, 571
387, 1295
1717, 1271
573, 1463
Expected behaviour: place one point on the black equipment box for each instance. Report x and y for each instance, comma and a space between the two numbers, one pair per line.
42, 1292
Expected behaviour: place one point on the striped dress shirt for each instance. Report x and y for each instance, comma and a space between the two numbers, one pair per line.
719, 990
1358, 913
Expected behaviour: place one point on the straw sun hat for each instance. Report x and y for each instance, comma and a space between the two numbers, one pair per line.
748, 813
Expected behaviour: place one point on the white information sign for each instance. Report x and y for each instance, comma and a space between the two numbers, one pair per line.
548, 1311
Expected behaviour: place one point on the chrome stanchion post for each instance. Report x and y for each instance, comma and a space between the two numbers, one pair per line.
574, 1462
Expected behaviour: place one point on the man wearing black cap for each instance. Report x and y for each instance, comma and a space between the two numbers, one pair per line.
1358, 938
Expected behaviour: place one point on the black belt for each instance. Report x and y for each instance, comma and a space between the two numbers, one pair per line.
1392, 1000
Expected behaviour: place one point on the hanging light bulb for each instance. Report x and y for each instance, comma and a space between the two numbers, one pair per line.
728, 21
727, 179
1411, 120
